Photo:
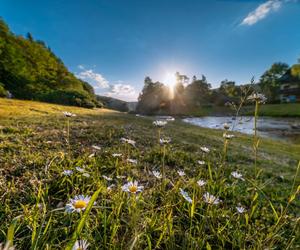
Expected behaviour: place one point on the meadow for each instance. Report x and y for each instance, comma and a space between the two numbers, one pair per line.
109, 180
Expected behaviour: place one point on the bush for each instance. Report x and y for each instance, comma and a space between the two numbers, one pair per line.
3, 91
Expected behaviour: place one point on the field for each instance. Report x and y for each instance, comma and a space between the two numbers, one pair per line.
207, 192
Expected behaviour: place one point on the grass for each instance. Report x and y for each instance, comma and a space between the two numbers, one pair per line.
35, 151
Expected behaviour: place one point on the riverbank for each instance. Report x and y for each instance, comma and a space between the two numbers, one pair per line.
37, 148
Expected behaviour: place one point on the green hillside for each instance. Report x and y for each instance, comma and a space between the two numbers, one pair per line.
30, 70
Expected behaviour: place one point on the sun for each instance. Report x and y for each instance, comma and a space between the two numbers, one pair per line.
170, 80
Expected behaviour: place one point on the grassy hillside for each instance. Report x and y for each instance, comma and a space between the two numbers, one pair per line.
30, 70
36, 149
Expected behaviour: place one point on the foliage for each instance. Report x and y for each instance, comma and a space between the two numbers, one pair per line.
30, 70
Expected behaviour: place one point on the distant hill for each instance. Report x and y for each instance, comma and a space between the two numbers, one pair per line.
113, 103
30, 70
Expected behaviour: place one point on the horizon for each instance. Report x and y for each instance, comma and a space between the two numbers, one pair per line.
115, 45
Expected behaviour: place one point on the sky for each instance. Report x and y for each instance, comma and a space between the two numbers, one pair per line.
114, 44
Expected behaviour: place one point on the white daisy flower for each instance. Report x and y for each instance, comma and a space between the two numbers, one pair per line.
181, 173
96, 147
185, 195
68, 114
210, 199
132, 187
116, 155
86, 175
164, 140
205, 149
157, 174
132, 161
67, 172
226, 126
129, 141
237, 175
81, 245
106, 178
201, 183
78, 204
121, 176
201, 162
257, 97
241, 209
159, 123
228, 136
79, 169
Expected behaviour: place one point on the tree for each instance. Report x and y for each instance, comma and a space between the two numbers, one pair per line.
269, 81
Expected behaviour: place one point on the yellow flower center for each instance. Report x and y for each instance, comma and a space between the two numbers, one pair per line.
80, 204
133, 189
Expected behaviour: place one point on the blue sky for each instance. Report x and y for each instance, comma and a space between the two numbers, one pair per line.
114, 44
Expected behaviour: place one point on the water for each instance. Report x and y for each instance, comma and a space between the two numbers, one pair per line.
276, 128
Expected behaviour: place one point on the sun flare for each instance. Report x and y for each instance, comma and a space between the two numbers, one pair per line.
170, 79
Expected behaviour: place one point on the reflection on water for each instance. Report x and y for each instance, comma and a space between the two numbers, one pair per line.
279, 128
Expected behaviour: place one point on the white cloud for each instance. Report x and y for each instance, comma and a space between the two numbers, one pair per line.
262, 11
122, 91
95, 79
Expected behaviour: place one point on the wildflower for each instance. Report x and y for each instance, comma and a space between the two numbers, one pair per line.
96, 147
80, 245
132, 187
181, 173
205, 149
78, 204
132, 161
68, 114
241, 209
210, 199
91, 155
226, 126
257, 97
67, 172
116, 155
201, 183
157, 174
185, 195
129, 141
121, 176
159, 123
79, 169
201, 162
106, 178
110, 187
228, 136
237, 175
165, 140
86, 175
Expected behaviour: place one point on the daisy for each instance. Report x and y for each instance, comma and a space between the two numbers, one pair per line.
68, 114
78, 204
96, 147
86, 175
67, 172
132, 161
226, 126
80, 245
241, 209
106, 178
129, 141
164, 140
205, 149
201, 183
210, 199
132, 187
157, 174
257, 97
79, 169
185, 195
116, 155
181, 173
201, 162
228, 136
237, 175
159, 123
121, 176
